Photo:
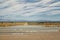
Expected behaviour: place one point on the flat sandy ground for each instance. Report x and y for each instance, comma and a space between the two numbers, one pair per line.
30, 36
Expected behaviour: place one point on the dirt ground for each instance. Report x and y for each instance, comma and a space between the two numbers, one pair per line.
30, 36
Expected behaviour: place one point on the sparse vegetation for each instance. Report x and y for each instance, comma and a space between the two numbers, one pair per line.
47, 24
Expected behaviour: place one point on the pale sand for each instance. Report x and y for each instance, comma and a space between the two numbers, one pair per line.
30, 36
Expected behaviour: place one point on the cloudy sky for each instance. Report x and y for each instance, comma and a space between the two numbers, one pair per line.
29, 10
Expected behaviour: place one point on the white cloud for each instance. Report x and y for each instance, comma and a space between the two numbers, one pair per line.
54, 12
28, 9
55, 4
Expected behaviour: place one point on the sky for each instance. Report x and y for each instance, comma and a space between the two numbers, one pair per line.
29, 10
